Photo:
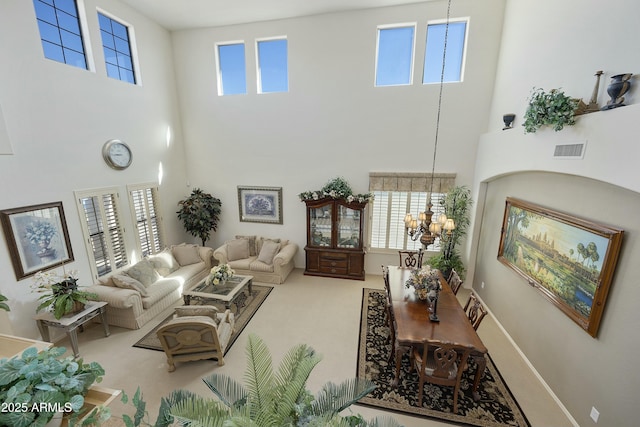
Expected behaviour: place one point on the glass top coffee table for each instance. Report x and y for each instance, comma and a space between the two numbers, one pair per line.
225, 293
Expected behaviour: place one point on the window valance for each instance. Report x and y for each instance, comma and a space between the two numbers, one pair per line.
411, 181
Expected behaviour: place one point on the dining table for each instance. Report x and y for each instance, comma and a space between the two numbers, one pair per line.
414, 326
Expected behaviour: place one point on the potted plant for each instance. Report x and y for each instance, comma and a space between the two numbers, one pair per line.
200, 213
61, 293
457, 206
273, 398
37, 385
3, 304
552, 108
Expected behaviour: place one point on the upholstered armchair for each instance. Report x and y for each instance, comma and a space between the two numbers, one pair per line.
196, 333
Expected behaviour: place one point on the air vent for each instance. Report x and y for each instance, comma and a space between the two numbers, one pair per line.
570, 151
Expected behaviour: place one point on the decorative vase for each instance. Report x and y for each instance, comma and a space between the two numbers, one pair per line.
619, 85
508, 121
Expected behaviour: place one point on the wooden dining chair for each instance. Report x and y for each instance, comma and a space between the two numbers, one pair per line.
411, 259
391, 321
455, 282
439, 364
475, 310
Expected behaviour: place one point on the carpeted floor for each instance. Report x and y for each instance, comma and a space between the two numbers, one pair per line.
244, 308
496, 408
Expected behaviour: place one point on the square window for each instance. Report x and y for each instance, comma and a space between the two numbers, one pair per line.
394, 56
455, 36
272, 66
60, 33
232, 75
116, 46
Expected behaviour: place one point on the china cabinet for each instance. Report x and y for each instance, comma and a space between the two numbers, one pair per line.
335, 238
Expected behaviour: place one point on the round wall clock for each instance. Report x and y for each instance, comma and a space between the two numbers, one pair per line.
117, 154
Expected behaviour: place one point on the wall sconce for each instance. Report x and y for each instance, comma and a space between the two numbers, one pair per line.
508, 121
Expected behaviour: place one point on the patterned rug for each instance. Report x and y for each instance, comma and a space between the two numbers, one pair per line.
496, 408
244, 308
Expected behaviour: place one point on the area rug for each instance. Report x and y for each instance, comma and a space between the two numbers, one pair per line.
496, 408
244, 308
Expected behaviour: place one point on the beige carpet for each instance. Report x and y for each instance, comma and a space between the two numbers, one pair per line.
244, 308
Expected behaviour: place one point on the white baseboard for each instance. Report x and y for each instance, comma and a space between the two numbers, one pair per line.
530, 365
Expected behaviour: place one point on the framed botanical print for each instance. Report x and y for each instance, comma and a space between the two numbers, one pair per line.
260, 204
37, 238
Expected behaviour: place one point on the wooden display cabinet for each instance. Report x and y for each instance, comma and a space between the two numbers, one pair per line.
335, 238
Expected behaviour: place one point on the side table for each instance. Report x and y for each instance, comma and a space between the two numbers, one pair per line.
70, 324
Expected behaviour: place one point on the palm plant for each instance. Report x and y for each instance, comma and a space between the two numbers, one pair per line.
271, 398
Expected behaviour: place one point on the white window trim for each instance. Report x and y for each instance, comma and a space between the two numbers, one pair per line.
217, 56
160, 223
258, 74
413, 50
132, 44
464, 49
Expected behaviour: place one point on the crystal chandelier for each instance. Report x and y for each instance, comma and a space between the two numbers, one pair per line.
425, 227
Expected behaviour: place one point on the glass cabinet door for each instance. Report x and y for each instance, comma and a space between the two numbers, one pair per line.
320, 223
348, 227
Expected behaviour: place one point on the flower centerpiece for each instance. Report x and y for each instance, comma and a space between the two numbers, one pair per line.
219, 274
61, 293
426, 282
337, 188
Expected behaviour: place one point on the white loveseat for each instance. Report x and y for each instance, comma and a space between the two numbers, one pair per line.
267, 260
140, 292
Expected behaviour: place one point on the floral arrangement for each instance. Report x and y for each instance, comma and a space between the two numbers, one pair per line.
61, 292
337, 188
219, 273
40, 231
425, 280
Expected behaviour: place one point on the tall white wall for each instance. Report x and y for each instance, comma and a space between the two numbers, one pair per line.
554, 44
57, 119
333, 121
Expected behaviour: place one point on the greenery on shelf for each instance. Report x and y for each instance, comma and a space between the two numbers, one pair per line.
61, 292
200, 213
39, 384
336, 188
552, 108
3, 304
457, 206
274, 398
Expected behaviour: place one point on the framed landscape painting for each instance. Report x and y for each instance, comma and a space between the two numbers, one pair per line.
37, 238
260, 204
570, 260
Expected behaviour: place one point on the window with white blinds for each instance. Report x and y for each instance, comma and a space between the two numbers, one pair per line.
144, 201
395, 195
103, 231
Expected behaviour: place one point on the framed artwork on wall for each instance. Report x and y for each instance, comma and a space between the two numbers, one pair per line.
37, 238
570, 260
260, 204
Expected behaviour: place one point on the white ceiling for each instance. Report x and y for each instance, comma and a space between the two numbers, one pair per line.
183, 14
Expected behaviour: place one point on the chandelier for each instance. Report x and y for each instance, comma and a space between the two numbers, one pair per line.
425, 227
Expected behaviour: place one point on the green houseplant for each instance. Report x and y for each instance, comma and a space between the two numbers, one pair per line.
457, 206
37, 385
61, 292
3, 304
274, 398
200, 213
552, 108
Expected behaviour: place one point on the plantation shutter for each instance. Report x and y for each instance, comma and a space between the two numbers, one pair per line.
103, 231
144, 202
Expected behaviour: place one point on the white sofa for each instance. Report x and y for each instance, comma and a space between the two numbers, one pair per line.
140, 292
267, 260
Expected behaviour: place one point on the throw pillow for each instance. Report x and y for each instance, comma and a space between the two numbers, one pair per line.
237, 249
261, 241
198, 310
252, 244
143, 272
164, 262
127, 282
186, 254
268, 251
